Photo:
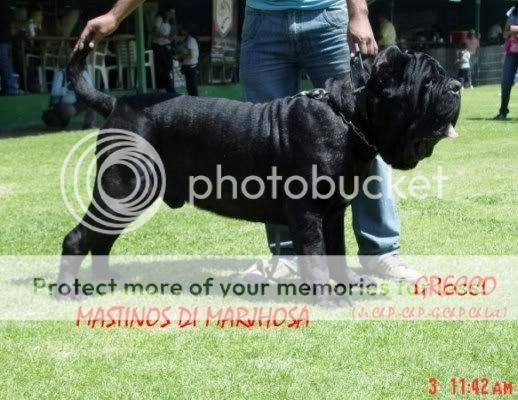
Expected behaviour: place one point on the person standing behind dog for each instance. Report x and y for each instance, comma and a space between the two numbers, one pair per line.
510, 62
165, 31
464, 74
189, 56
279, 38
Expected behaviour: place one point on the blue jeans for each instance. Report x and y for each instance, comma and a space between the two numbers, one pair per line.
275, 47
508, 74
6, 74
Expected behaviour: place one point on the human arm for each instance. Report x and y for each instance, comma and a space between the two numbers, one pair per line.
510, 29
106, 24
360, 30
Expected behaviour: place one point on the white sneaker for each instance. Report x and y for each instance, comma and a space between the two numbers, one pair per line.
263, 270
391, 267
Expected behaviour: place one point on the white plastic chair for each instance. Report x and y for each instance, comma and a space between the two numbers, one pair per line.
128, 61
98, 67
49, 60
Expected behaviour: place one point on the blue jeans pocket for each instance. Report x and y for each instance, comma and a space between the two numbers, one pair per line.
250, 25
336, 17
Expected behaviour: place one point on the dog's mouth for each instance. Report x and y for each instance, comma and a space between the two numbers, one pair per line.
422, 148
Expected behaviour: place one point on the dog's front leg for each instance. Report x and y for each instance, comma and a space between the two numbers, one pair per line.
306, 226
334, 237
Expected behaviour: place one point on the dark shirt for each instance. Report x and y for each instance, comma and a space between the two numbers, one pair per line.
5, 21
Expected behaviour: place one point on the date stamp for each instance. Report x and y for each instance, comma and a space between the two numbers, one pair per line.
480, 386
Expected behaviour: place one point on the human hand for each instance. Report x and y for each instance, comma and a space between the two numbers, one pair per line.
360, 32
98, 28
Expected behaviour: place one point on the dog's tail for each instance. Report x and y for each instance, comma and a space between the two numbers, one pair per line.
85, 91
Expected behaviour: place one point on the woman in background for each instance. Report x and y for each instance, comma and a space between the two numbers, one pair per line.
510, 62
164, 33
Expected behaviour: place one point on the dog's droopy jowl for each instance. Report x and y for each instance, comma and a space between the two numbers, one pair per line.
408, 105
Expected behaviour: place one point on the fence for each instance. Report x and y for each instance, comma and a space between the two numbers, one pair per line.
488, 63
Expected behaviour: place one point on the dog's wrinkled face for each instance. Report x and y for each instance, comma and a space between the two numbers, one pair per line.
411, 104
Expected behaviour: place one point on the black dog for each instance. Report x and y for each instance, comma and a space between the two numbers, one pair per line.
407, 106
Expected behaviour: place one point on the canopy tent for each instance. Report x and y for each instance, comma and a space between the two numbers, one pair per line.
450, 14
471, 11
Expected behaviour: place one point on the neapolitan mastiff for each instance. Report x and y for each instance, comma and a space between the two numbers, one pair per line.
407, 106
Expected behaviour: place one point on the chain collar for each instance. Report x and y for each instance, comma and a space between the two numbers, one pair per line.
357, 131
316, 94
323, 95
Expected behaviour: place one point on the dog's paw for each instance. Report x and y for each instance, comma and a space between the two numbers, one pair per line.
334, 301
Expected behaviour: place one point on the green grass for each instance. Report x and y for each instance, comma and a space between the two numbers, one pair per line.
335, 360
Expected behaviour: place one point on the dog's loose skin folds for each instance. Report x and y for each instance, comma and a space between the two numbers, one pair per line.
408, 105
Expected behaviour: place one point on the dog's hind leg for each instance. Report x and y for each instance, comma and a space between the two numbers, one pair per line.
107, 216
75, 249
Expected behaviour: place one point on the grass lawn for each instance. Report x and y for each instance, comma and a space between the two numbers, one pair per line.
335, 360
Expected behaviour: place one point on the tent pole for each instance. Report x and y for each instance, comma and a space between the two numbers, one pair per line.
477, 18
141, 69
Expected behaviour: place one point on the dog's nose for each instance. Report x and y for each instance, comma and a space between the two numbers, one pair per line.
454, 86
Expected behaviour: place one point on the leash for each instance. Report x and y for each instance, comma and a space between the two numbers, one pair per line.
358, 86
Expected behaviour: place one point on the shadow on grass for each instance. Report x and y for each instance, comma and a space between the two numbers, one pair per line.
39, 130
508, 120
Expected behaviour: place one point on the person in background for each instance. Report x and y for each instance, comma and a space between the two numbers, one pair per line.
510, 62
164, 34
387, 32
473, 45
189, 56
463, 57
63, 104
272, 56
437, 35
495, 32
7, 80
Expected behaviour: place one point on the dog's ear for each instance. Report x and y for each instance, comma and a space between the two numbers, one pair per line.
388, 69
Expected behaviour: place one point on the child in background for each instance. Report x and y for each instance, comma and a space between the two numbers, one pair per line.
463, 61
